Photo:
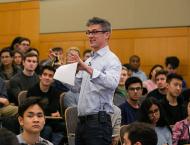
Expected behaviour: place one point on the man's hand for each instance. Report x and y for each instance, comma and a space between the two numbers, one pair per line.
56, 114
4, 101
81, 65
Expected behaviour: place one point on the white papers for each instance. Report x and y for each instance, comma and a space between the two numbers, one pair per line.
66, 73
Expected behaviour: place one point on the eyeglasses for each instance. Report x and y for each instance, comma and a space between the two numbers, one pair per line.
133, 89
25, 44
94, 32
153, 111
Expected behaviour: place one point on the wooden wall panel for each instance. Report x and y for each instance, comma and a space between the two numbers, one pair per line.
152, 45
19, 19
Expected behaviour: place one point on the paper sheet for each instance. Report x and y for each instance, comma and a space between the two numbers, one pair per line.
66, 73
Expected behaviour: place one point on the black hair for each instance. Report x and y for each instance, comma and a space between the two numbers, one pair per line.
46, 67
87, 51
30, 101
144, 111
141, 132
132, 80
57, 49
6, 49
15, 41
128, 66
23, 39
7, 137
106, 26
173, 61
134, 56
161, 72
172, 76
155, 66
16, 51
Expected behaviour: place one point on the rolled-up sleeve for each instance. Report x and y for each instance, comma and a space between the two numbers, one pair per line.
109, 77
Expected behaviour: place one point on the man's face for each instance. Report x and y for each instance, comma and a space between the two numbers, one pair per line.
154, 71
33, 119
135, 63
123, 77
170, 69
30, 63
24, 46
46, 78
174, 87
97, 38
135, 91
6, 58
161, 81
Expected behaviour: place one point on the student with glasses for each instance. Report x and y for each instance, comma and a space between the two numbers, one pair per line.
130, 108
151, 112
23, 45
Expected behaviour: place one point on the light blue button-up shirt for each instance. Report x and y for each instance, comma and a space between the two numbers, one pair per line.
97, 91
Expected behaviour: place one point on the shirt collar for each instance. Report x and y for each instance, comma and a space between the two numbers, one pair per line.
101, 51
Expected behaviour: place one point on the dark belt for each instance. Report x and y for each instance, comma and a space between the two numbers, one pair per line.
91, 118
88, 118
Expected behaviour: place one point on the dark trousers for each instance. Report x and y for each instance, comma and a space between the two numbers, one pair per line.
91, 131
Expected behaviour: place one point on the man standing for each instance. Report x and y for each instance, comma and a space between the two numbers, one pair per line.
99, 77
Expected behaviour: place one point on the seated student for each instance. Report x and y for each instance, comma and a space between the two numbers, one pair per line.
86, 54
172, 103
7, 68
15, 43
17, 59
172, 64
139, 133
151, 112
51, 96
5, 108
134, 62
71, 98
7, 137
120, 94
55, 59
32, 120
26, 79
161, 91
181, 132
23, 45
150, 84
130, 108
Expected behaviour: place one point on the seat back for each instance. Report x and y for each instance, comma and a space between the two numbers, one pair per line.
122, 133
71, 119
22, 96
62, 104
